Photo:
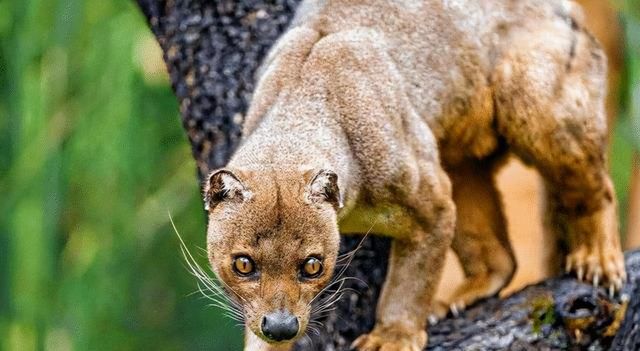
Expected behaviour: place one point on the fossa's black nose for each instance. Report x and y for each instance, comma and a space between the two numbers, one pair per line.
280, 326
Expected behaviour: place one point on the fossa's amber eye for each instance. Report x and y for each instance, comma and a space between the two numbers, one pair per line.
243, 265
311, 268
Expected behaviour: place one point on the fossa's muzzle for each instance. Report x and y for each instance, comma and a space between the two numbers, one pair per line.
280, 326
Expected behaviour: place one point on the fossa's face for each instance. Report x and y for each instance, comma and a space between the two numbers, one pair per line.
273, 241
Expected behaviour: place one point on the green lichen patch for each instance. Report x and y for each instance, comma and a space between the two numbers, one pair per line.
542, 313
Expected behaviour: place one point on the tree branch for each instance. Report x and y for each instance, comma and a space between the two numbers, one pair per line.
212, 49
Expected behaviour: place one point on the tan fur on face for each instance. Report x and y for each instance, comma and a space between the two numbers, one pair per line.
278, 228
379, 115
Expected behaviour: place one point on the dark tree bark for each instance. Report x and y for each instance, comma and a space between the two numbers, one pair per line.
212, 49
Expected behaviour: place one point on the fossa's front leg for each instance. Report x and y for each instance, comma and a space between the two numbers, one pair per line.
415, 266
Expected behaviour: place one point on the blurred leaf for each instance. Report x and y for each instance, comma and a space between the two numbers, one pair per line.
94, 155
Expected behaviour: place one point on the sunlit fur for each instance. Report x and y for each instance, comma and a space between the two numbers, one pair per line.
403, 111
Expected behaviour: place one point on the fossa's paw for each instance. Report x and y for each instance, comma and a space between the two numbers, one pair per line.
391, 339
600, 266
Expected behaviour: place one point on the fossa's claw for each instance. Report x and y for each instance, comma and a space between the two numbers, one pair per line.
457, 308
454, 310
433, 319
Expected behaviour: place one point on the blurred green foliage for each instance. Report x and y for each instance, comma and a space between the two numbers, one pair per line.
633, 76
92, 159
626, 132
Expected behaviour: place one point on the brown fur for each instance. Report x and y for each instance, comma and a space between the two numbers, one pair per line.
521, 188
367, 113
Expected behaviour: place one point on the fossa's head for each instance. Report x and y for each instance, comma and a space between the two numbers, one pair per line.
273, 240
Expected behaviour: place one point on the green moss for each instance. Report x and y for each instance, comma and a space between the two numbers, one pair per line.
542, 313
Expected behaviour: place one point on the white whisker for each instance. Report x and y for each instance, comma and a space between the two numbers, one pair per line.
209, 287
329, 302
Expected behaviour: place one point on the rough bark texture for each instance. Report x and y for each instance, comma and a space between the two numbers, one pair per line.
212, 49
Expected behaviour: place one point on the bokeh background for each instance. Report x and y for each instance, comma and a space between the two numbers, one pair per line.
92, 161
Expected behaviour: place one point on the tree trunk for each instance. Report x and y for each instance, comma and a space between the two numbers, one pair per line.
212, 49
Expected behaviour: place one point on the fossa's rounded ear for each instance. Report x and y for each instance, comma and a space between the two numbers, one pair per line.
324, 187
222, 185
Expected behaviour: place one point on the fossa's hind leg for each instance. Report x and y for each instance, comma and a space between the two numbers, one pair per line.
549, 92
481, 242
